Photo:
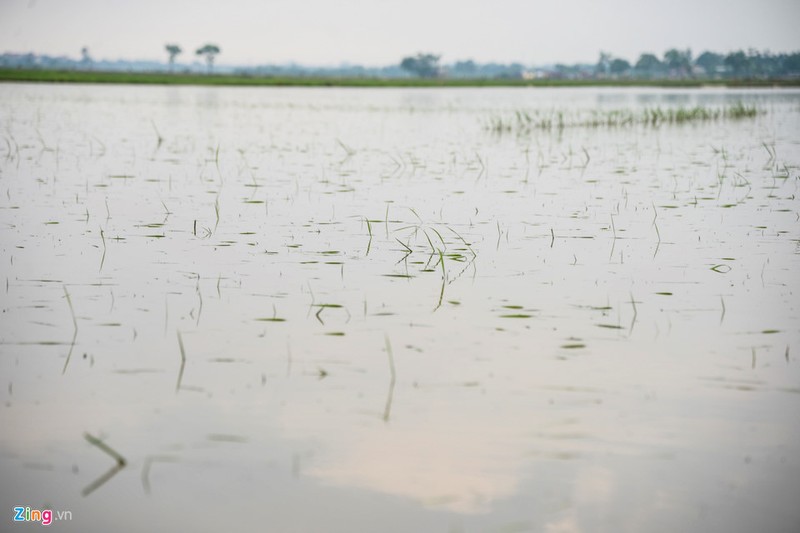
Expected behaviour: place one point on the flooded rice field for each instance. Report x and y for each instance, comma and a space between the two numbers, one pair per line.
452, 310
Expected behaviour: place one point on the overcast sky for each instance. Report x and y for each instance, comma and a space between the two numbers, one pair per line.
380, 32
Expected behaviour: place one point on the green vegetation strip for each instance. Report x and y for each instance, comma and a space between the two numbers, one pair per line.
523, 122
164, 78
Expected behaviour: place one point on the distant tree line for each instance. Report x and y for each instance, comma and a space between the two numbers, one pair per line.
677, 63
674, 64
32, 61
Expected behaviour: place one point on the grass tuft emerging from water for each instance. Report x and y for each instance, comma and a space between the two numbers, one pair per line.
524, 122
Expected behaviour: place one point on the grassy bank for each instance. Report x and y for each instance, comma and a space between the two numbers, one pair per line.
162, 78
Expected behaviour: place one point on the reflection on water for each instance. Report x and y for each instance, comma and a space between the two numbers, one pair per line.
350, 309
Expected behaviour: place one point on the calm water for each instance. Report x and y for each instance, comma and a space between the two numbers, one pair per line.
394, 319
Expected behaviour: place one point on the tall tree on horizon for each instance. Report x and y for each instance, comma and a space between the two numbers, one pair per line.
423, 65
679, 61
648, 65
210, 51
710, 62
173, 50
619, 67
603, 66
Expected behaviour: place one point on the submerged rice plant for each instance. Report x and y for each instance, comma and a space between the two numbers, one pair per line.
524, 122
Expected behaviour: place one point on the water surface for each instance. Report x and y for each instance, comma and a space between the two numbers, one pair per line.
394, 319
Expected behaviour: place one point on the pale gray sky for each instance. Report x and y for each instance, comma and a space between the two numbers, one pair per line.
379, 32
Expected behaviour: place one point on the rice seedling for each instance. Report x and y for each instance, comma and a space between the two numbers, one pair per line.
147, 465
347, 150
392, 379
323, 307
159, 138
108, 450
588, 158
103, 258
444, 280
183, 362
74, 331
120, 463
216, 211
405, 246
369, 230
